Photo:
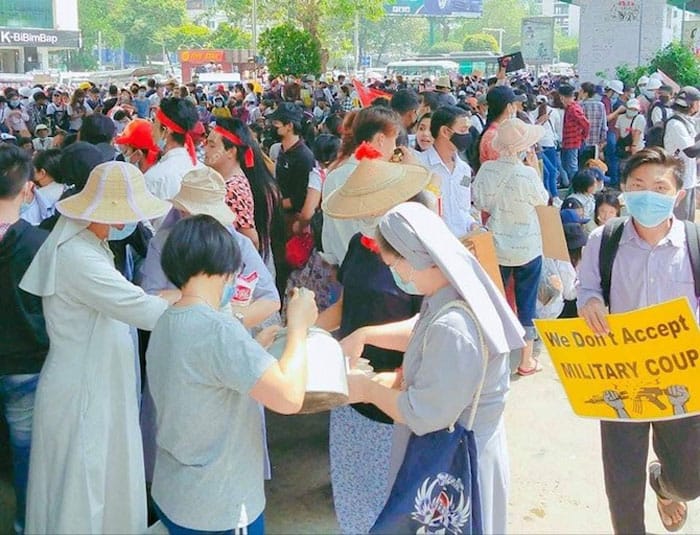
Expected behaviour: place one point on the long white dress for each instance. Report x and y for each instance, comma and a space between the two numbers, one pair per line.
86, 468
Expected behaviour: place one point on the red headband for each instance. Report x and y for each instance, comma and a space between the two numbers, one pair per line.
233, 138
169, 123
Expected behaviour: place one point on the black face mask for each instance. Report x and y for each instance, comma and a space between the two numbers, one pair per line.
461, 141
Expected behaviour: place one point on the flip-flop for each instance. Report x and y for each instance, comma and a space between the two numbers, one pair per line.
654, 472
524, 372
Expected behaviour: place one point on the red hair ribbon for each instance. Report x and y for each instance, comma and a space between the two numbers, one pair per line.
370, 244
169, 123
367, 152
238, 142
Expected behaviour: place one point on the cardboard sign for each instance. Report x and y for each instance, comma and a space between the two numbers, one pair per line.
553, 238
480, 244
646, 368
512, 62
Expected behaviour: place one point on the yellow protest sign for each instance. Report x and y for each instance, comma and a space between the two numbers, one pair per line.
646, 368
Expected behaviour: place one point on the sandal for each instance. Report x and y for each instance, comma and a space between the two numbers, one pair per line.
524, 372
666, 506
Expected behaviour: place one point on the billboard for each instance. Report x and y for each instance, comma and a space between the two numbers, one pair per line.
537, 34
436, 8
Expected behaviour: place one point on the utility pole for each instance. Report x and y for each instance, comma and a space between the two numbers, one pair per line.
99, 50
254, 32
500, 31
357, 42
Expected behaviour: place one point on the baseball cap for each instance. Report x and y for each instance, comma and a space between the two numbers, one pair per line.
653, 83
633, 104
566, 90
616, 85
501, 93
85, 85
687, 96
286, 113
137, 134
541, 99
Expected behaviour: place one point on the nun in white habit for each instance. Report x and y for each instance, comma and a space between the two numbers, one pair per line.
86, 466
443, 362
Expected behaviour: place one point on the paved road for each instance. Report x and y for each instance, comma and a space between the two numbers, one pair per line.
556, 487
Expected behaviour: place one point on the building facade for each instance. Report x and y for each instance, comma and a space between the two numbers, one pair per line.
566, 16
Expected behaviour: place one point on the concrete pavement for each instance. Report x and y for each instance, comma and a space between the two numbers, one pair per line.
556, 473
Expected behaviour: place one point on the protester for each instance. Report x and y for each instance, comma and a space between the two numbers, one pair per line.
46, 169
607, 206
86, 399
501, 106
137, 146
576, 128
207, 374
508, 191
23, 339
424, 138
655, 242
443, 361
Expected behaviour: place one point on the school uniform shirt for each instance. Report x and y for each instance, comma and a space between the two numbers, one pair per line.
164, 179
455, 189
662, 272
625, 125
509, 191
42, 143
337, 233
680, 134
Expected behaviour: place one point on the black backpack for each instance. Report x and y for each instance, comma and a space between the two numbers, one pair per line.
612, 233
655, 134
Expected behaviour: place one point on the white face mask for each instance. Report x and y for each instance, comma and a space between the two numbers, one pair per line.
631, 113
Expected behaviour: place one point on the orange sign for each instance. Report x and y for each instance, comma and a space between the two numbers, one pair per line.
202, 56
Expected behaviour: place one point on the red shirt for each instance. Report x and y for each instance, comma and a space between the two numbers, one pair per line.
576, 127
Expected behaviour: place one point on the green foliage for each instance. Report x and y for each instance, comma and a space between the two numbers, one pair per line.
506, 14
228, 36
569, 54
629, 75
186, 36
395, 36
288, 50
445, 47
678, 62
480, 42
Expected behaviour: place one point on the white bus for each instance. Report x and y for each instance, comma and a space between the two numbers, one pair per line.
418, 70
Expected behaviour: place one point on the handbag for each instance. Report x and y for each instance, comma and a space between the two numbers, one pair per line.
437, 486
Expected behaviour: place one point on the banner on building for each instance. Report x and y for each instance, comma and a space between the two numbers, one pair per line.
646, 368
17, 37
436, 8
537, 38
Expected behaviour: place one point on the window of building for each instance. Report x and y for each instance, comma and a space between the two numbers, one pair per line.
26, 13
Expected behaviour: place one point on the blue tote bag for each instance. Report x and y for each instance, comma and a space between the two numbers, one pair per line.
437, 487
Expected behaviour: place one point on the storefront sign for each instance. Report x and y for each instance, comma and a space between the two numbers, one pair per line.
17, 37
199, 57
436, 8
646, 368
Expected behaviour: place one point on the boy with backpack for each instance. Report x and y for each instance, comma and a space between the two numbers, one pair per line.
666, 252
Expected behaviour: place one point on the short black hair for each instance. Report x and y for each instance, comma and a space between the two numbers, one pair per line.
582, 181
430, 99
326, 147
182, 112
654, 156
445, 116
199, 245
405, 100
15, 170
97, 128
113, 90
49, 160
609, 198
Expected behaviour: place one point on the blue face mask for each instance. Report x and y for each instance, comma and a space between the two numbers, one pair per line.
407, 287
115, 234
227, 295
649, 208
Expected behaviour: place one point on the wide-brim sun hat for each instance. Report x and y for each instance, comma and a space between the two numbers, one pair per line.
374, 187
514, 136
115, 193
203, 191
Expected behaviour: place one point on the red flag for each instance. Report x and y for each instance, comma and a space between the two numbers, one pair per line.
367, 95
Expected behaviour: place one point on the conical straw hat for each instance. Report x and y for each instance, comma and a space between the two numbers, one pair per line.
115, 193
374, 187
203, 191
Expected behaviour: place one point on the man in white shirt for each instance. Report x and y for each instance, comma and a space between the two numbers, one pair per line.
174, 121
679, 140
478, 119
449, 126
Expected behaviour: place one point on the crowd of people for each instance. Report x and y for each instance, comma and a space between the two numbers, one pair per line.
153, 238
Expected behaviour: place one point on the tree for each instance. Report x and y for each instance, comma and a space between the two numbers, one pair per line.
228, 36
629, 75
94, 20
678, 62
506, 14
569, 55
445, 47
136, 20
391, 36
480, 42
187, 35
288, 50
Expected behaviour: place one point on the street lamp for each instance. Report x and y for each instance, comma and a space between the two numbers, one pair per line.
500, 31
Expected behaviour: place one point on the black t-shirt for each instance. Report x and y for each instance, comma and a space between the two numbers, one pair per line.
371, 297
292, 170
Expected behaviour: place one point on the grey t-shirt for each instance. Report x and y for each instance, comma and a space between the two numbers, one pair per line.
209, 458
